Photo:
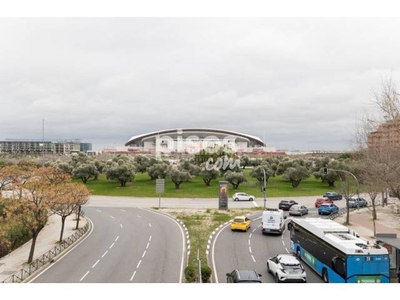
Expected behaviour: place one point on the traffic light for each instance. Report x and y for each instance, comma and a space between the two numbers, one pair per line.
325, 171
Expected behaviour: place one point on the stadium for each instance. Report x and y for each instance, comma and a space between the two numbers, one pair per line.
192, 140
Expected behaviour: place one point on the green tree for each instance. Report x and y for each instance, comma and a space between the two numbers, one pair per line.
158, 170
296, 174
235, 178
121, 168
208, 174
258, 173
178, 175
142, 162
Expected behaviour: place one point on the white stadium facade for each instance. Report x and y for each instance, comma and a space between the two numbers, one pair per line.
192, 140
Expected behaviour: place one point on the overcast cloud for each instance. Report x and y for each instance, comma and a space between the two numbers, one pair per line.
297, 83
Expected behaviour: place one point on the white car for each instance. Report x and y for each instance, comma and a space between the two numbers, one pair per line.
243, 196
286, 268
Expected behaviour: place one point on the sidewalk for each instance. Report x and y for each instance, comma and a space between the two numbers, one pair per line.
388, 221
48, 238
361, 222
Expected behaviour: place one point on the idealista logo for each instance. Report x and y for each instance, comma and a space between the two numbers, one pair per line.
222, 163
193, 144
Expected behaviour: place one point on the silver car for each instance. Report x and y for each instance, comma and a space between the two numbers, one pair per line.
286, 268
298, 210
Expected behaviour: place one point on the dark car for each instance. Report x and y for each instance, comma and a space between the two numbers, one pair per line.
286, 204
243, 276
333, 196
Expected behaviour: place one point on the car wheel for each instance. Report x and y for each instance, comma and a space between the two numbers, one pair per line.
325, 276
250, 199
277, 278
268, 269
236, 199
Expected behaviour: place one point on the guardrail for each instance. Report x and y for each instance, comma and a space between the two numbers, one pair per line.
343, 210
46, 258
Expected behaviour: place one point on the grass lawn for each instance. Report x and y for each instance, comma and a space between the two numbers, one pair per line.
143, 186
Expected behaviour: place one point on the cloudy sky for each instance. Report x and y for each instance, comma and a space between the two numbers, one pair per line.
297, 83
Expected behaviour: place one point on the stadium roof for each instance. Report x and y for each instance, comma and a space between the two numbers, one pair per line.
193, 131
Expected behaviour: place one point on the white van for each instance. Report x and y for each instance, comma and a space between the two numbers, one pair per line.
273, 221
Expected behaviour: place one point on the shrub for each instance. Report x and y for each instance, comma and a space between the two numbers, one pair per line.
191, 274
205, 274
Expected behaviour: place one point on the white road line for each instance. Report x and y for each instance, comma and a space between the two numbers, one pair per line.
96, 263
112, 217
117, 238
137, 267
104, 254
144, 254
149, 224
112, 245
253, 258
123, 210
149, 238
98, 210
121, 225
133, 275
148, 245
140, 217
84, 276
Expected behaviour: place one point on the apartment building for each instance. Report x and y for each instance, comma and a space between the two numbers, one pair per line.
387, 135
43, 147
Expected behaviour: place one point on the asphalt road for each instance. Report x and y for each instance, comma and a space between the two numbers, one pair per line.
126, 245
130, 243
249, 250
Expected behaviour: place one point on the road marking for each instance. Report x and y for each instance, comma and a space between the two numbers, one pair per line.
104, 254
123, 210
112, 245
149, 224
121, 225
84, 276
117, 238
140, 261
253, 258
96, 263
133, 275
144, 254
98, 210
148, 245
112, 217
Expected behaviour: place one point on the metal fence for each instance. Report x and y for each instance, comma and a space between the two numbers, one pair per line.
46, 258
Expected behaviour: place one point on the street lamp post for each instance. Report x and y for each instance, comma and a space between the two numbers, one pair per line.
265, 188
358, 190
43, 144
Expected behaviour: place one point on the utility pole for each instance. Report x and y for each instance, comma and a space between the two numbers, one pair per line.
43, 144
265, 188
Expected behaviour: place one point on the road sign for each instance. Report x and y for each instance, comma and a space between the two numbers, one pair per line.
160, 186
